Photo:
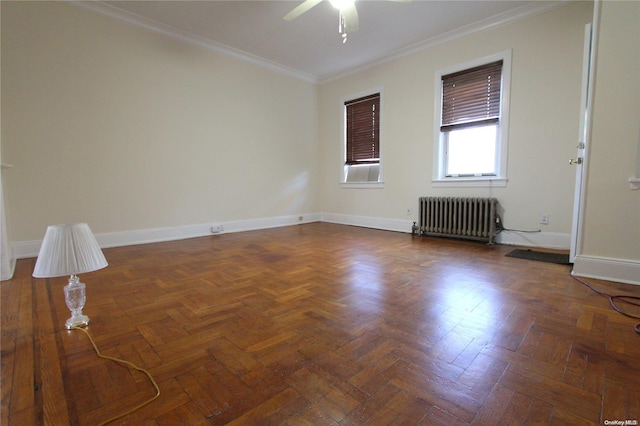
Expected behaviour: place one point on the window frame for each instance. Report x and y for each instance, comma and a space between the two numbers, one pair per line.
440, 179
345, 168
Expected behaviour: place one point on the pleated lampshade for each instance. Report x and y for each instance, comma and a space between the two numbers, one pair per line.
69, 249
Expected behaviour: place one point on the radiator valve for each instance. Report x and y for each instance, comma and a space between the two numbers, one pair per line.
414, 229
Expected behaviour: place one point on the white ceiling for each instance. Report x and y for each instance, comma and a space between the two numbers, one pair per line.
310, 47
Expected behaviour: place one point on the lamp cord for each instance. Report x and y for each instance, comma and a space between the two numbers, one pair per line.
129, 364
630, 300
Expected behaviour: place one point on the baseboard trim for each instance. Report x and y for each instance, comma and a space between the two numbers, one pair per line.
550, 240
620, 270
602, 268
396, 225
538, 239
26, 249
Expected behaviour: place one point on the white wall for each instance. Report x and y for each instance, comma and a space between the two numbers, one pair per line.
545, 99
127, 130
611, 240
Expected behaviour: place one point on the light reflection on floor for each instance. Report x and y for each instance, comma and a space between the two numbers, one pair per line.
460, 305
365, 277
472, 306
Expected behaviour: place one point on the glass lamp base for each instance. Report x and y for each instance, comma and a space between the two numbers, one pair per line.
75, 297
79, 321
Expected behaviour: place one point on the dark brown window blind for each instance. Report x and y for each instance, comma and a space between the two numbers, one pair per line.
363, 130
471, 97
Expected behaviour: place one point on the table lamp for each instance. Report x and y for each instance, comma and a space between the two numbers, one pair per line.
70, 249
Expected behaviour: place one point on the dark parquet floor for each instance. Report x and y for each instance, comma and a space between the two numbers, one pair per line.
320, 324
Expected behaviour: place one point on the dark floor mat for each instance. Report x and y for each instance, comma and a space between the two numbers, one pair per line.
540, 256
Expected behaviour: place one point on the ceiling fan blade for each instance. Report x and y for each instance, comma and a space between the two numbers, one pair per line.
300, 9
351, 21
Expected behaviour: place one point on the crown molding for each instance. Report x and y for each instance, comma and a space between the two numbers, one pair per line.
515, 15
523, 12
120, 15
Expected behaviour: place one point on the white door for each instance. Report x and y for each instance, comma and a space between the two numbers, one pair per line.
583, 139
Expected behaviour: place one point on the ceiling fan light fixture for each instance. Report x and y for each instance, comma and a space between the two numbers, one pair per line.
341, 4
347, 14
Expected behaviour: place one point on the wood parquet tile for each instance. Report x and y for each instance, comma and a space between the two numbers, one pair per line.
320, 324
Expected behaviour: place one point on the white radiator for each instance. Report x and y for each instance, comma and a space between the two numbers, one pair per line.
466, 218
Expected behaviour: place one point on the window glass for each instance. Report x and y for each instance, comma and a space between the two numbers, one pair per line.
471, 151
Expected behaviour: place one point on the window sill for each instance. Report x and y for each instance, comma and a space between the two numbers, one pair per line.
469, 183
362, 185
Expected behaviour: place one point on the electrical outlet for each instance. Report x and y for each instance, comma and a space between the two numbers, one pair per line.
217, 229
544, 219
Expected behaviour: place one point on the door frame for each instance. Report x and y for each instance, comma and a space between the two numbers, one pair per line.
584, 132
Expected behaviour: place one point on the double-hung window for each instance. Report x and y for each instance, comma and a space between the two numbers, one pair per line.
362, 139
472, 124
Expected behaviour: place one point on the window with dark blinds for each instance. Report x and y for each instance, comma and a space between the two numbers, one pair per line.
363, 130
471, 97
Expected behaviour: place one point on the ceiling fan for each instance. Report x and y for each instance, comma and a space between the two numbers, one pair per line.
347, 17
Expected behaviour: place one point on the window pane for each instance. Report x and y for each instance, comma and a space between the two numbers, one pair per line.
471, 151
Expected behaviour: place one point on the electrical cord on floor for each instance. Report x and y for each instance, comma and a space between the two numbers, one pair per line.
129, 364
612, 301
500, 227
